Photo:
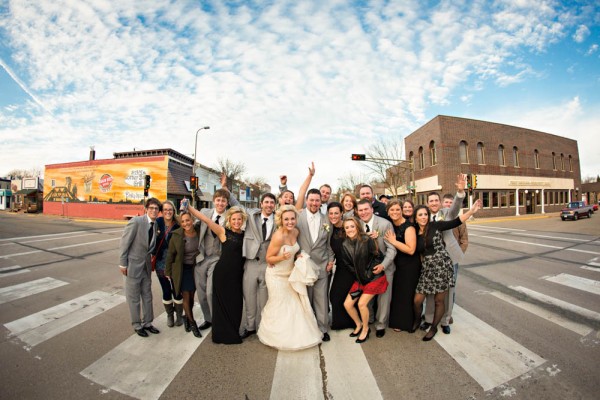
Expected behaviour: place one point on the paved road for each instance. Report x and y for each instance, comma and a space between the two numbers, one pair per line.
526, 326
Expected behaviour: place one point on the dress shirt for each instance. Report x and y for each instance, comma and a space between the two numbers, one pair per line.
269, 224
313, 223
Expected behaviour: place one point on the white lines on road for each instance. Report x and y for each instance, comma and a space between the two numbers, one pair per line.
558, 303
15, 268
58, 248
348, 372
39, 327
558, 238
14, 239
144, 367
489, 356
541, 312
539, 244
577, 282
590, 268
297, 375
496, 227
22, 290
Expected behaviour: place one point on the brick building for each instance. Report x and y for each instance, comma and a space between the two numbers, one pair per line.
518, 170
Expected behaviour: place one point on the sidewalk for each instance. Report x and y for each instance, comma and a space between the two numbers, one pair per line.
523, 217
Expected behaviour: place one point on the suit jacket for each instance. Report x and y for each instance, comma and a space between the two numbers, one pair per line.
320, 251
382, 225
135, 252
447, 214
462, 237
253, 237
203, 231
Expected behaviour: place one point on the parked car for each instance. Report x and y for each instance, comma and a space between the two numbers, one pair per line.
595, 206
576, 210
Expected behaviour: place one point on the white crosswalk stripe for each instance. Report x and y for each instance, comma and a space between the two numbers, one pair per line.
22, 290
577, 282
489, 356
12, 270
39, 327
290, 366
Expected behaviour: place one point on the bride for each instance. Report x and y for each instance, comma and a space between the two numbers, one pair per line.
288, 321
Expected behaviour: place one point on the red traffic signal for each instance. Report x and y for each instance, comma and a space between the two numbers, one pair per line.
193, 182
358, 157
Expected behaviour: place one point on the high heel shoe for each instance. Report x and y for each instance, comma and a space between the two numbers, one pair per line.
359, 340
194, 329
426, 338
186, 324
415, 325
355, 333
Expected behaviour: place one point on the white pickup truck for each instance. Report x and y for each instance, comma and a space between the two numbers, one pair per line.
576, 210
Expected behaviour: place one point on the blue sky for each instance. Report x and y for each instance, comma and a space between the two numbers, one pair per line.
283, 83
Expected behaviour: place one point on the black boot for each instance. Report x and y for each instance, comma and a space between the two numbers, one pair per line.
170, 309
178, 314
195, 329
186, 324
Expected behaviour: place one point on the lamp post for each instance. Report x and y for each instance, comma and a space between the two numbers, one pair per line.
194, 165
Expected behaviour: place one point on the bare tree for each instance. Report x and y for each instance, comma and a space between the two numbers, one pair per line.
350, 181
257, 184
232, 170
384, 161
591, 179
25, 173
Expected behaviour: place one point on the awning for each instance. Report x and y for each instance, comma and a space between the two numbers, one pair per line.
5, 192
27, 191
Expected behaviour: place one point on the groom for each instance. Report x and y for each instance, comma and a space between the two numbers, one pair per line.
314, 239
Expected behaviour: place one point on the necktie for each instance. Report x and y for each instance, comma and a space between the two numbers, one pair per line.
434, 218
216, 222
264, 228
150, 233
368, 229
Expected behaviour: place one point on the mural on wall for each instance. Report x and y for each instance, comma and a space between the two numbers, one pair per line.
109, 181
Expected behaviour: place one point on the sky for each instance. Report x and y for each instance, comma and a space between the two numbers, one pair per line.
284, 83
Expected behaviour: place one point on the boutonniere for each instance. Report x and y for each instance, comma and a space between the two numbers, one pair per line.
326, 227
440, 218
158, 232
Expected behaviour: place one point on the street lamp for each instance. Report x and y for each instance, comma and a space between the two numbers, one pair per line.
194, 165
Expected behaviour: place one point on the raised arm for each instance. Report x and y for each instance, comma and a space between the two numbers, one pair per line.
474, 208
461, 182
216, 228
304, 187
273, 255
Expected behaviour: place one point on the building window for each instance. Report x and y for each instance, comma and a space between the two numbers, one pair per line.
411, 158
516, 156
495, 200
501, 159
570, 163
536, 159
511, 198
554, 161
432, 153
480, 153
485, 199
421, 158
463, 152
562, 162
503, 200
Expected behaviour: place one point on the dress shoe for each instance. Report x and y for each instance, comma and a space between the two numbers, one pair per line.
356, 332
151, 329
424, 326
380, 333
326, 337
186, 324
205, 325
246, 334
427, 338
141, 332
195, 330
446, 329
359, 340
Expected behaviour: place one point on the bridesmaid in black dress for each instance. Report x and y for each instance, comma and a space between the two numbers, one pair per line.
227, 301
408, 265
343, 278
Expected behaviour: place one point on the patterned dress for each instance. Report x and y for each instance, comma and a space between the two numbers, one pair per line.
437, 274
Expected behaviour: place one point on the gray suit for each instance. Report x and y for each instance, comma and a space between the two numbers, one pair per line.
382, 225
255, 250
456, 254
209, 249
135, 253
320, 253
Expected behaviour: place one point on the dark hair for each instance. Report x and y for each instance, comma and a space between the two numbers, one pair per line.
335, 204
221, 193
155, 201
419, 207
364, 201
366, 186
287, 191
448, 196
412, 216
269, 196
325, 185
313, 191
384, 196
433, 194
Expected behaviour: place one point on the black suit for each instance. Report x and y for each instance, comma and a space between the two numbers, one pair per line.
379, 209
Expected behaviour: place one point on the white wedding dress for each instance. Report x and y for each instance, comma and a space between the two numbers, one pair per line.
287, 321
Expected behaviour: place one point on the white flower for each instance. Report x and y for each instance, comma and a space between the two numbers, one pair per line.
326, 227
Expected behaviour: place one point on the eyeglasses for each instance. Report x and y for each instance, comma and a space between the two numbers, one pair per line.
153, 208
167, 210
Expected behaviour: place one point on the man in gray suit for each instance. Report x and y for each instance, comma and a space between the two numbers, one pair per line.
137, 243
209, 252
314, 239
456, 254
257, 237
376, 227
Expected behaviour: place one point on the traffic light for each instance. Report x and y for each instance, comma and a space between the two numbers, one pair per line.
469, 182
148, 178
358, 157
194, 182
474, 181
145, 192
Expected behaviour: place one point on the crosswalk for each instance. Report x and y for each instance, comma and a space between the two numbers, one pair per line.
337, 369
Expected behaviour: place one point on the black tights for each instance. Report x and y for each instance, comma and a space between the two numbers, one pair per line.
440, 309
188, 304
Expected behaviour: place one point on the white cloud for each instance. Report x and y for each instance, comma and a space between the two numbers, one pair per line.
593, 48
581, 33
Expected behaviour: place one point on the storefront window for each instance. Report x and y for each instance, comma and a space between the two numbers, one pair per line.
495, 200
503, 200
485, 198
511, 198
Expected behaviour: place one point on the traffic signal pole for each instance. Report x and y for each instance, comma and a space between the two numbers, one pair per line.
411, 168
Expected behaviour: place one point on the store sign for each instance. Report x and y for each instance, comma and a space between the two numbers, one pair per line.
529, 183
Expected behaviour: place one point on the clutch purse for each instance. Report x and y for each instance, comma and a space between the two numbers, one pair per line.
356, 294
